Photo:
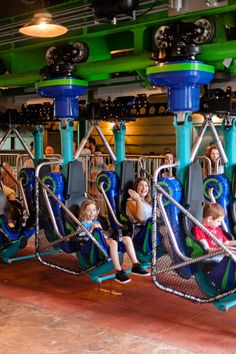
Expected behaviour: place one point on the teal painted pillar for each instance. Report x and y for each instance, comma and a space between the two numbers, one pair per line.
66, 131
230, 149
38, 133
119, 131
183, 126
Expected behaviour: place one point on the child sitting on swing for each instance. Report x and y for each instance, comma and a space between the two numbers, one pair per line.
88, 215
213, 215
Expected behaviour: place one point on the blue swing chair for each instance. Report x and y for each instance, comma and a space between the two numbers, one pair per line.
82, 248
15, 238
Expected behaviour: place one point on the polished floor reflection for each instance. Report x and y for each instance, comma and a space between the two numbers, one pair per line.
43, 310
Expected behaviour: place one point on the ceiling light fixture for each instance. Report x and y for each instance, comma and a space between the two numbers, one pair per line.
43, 26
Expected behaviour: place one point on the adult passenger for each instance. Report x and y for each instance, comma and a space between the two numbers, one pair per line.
138, 206
169, 159
213, 154
91, 145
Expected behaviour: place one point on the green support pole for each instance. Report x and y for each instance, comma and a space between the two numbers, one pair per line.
66, 131
119, 131
230, 150
183, 126
38, 133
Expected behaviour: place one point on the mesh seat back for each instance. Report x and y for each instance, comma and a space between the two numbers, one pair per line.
127, 182
76, 187
194, 196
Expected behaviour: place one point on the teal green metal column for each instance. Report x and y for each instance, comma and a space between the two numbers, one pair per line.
66, 131
119, 131
183, 143
38, 133
230, 150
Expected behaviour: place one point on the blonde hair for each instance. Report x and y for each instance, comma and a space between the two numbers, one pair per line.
214, 210
136, 183
84, 206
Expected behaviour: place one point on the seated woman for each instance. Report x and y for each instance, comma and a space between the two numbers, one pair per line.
213, 154
138, 206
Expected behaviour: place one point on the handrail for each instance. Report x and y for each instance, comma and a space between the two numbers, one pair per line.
22, 192
171, 233
162, 167
109, 205
208, 160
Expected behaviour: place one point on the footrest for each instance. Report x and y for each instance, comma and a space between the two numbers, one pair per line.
226, 303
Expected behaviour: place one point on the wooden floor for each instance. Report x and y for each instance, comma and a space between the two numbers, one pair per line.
47, 311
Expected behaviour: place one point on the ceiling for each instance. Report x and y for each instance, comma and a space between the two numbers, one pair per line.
11, 8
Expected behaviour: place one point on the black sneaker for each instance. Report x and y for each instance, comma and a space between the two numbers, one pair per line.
138, 270
121, 277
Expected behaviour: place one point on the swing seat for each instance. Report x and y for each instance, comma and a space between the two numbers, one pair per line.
141, 231
208, 279
89, 254
174, 188
84, 250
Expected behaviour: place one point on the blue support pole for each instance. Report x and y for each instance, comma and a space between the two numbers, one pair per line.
66, 131
38, 133
230, 150
65, 92
119, 131
183, 143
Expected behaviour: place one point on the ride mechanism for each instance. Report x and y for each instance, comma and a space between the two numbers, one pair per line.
59, 84
177, 69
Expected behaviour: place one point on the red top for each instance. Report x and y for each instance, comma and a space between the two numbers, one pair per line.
217, 232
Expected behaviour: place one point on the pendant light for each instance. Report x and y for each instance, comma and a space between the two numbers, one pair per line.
42, 25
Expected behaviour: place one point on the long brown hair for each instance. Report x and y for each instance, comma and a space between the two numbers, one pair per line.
213, 164
136, 183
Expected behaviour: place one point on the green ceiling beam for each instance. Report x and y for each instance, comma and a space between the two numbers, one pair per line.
24, 59
20, 79
88, 71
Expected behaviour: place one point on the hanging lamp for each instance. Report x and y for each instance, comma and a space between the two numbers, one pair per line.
42, 25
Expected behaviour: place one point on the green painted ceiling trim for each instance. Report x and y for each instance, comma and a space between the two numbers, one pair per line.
86, 71
64, 81
115, 65
168, 67
19, 79
218, 51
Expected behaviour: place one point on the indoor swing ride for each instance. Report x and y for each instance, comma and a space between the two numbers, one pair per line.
179, 265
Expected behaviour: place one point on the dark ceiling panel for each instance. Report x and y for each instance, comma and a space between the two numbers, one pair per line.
9, 8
